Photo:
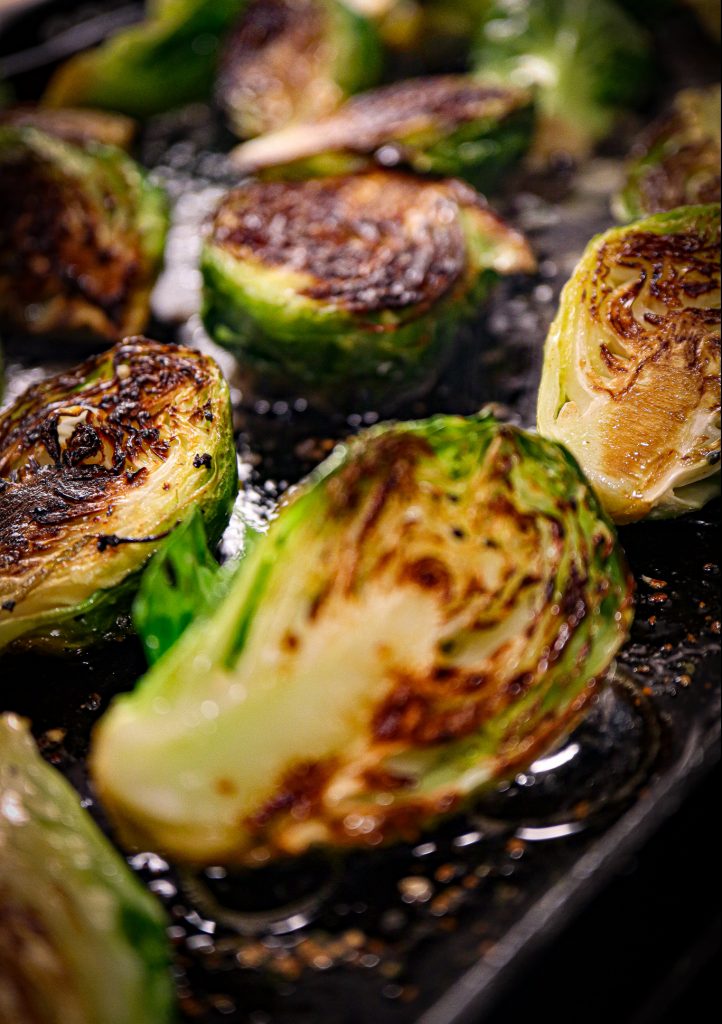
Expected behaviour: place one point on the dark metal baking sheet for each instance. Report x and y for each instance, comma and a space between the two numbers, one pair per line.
428, 934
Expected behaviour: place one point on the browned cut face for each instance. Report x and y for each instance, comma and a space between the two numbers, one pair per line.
657, 299
442, 104
373, 242
270, 60
74, 444
55, 250
657, 293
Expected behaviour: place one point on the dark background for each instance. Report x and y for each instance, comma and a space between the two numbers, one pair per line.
647, 950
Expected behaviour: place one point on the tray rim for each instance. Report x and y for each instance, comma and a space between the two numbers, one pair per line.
474, 995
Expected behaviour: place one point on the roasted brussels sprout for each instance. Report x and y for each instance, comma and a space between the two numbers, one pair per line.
678, 162
433, 609
587, 58
74, 125
82, 235
291, 60
81, 941
346, 290
631, 381
97, 465
168, 60
449, 125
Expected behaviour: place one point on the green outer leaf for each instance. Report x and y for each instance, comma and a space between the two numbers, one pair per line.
105, 613
214, 704
182, 582
167, 61
94, 948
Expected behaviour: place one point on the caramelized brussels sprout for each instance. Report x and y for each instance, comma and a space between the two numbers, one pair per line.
433, 609
449, 125
587, 59
81, 941
678, 162
168, 60
97, 465
82, 237
291, 60
74, 125
346, 290
631, 381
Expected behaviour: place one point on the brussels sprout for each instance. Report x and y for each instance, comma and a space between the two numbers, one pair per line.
587, 58
678, 162
168, 60
81, 237
290, 60
74, 125
347, 290
449, 125
81, 941
433, 609
632, 367
97, 465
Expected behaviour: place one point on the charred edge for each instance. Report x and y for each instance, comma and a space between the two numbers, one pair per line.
110, 541
350, 236
36, 500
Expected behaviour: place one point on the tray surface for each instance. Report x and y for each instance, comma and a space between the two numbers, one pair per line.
428, 933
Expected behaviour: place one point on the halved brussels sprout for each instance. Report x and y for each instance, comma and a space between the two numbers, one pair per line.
587, 59
678, 161
631, 381
433, 609
82, 236
291, 60
347, 290
77, 125
452, 125
81, 941
168, 60
97, 465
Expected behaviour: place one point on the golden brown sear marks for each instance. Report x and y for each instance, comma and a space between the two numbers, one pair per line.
54, 250
656, 295
74, 444
268, 64
444, 104
657, 300
367, 243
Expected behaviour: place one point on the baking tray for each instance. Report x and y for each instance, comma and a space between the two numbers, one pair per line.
430, 933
